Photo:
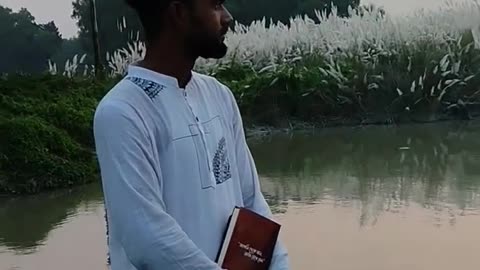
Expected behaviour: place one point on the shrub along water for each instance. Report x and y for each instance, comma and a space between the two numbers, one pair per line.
46, 132
365, 69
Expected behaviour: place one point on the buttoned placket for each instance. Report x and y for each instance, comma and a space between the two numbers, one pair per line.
201, 130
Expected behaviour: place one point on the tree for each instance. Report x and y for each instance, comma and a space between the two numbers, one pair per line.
26, 45
118, 24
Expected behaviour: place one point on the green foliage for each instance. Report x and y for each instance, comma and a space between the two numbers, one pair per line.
45, 130
18, 31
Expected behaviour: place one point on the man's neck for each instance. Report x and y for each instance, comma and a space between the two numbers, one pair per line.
169, 59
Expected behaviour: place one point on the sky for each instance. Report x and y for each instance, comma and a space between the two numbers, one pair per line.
60, 10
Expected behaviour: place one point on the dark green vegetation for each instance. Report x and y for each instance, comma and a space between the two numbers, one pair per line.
18, 33
46, 121
46, 132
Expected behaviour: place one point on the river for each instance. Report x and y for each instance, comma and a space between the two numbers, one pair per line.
371, 198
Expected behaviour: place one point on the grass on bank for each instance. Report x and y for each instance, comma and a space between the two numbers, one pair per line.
46, 132
46, 121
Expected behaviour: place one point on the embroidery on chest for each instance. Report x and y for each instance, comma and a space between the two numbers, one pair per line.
151, 88
221, 163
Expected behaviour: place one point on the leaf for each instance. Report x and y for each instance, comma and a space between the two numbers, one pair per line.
75, 60
444, 60
83, 58
373, 86
400, 93
456, 67
444, 74
451, 82
267, 68
323, 71
442, 94
378, 77
298, 58
274, 81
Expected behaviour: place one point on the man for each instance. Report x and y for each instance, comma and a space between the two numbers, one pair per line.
171, 147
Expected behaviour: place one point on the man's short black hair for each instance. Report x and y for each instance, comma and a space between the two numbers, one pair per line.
149, 13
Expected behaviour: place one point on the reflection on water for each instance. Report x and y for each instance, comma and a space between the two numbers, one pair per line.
26, 222
355, 189
378, 169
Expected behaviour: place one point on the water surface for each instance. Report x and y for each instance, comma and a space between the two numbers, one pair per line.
371, 198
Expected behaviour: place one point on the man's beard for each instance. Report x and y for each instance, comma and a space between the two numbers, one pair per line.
207, 46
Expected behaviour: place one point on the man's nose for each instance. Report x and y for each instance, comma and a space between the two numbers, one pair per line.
227, 17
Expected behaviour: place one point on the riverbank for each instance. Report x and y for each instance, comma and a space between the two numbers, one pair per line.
46, 132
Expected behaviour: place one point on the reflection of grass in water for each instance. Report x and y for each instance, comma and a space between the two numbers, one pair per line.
383, 168
27, 221
276, 205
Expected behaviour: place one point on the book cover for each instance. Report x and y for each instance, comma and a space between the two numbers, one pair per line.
249, 241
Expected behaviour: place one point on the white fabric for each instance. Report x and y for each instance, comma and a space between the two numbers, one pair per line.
174, 163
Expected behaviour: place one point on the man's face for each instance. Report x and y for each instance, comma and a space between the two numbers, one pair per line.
209, 24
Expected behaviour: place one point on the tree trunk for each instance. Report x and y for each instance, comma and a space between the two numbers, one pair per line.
95, 40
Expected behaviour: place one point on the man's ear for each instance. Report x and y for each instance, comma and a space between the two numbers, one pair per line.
178, 13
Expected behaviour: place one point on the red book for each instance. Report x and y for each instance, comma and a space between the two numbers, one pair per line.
249, 241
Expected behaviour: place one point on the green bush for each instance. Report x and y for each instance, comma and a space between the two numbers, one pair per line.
46, 132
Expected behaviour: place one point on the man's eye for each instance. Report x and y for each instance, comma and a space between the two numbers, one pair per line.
219, 4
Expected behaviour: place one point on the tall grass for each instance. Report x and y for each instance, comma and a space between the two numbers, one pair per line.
369, 62
332, 36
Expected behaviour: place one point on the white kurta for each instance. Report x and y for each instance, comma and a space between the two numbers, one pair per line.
174, 163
